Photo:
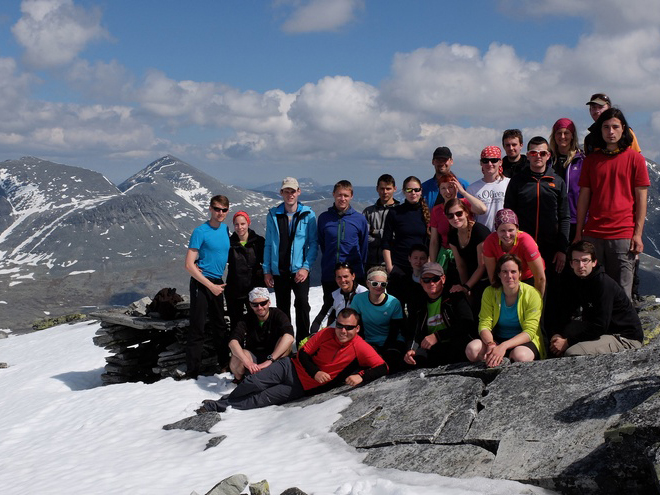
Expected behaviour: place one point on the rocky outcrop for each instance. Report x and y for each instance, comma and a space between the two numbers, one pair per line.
575, 425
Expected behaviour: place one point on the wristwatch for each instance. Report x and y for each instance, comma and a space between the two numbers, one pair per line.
270, 358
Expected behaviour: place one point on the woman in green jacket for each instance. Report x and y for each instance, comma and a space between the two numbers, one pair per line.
508, 319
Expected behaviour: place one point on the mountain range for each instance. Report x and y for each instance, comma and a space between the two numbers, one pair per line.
70, 238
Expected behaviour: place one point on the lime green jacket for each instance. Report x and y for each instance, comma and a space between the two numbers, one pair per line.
529, 309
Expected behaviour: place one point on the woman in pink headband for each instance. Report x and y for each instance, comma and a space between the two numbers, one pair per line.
567, 162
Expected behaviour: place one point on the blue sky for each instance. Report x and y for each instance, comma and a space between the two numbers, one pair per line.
251, 91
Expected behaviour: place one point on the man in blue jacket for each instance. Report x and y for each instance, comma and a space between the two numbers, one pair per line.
290, 251
343, 235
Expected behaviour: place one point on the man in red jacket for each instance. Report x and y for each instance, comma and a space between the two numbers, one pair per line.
331, 357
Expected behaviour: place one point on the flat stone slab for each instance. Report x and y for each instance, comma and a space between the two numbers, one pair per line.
546, 420
457, 461
119, 317
201, 422
407, 408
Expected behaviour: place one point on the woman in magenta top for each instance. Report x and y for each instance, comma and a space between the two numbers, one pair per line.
507, 238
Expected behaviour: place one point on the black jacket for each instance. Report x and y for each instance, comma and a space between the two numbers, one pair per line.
511, 169
606, 309
541, 203
245, 271
376, 215
456, 313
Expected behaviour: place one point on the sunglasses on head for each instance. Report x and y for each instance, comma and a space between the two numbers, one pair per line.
345, 327
375, 284
458, 214
220, 209
261, 303
600, 96
490, 160
434, 278
542, 153
412, 190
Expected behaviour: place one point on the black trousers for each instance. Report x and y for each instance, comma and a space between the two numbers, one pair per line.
284, 285
204, 304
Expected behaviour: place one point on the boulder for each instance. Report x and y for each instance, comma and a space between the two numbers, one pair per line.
259, 488
234, 485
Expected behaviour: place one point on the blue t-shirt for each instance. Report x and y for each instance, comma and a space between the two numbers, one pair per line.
376, 318
508, 326
213, 248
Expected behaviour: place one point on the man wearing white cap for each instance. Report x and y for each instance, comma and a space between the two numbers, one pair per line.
290, 251
262, 338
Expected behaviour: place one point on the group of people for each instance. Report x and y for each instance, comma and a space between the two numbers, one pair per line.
454, 272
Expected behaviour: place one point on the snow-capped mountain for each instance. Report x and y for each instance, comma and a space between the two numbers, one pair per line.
68, 236
185, 191
311, 190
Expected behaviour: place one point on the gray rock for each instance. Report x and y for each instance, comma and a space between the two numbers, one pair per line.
457, 461
139, 307
199, 422
545, 420
409, 409
215, 441
260, 488
4, 365
293, 491
234, 485
3, 335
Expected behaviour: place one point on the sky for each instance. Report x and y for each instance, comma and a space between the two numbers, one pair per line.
63, 432
252, 91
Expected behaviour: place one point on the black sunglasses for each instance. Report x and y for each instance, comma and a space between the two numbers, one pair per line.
412, 189
346, 327
434, 278
458, 214
490, 160
257, 304
219, 209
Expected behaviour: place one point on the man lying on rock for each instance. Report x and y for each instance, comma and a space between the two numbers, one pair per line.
609, 320
331, 357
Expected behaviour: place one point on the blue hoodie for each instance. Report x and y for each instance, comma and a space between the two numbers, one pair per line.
305, 244
342, 238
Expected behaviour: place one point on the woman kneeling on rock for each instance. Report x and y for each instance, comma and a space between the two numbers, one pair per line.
509, 318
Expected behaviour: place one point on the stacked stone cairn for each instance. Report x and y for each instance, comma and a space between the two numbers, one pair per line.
146, 348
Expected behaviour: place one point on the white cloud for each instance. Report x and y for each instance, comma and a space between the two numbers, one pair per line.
54, 32
607, 16
321, 15
101, 81
458, 81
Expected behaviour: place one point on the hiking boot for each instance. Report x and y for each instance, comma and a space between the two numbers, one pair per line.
210, 405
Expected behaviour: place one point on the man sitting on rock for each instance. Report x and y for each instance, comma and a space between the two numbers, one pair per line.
609, 320
263, 337
331, 357
439, 325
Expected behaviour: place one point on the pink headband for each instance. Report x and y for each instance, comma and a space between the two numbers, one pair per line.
564, 124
